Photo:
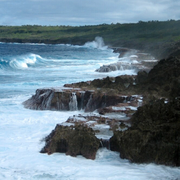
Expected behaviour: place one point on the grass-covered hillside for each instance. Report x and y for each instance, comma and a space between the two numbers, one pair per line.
141, 35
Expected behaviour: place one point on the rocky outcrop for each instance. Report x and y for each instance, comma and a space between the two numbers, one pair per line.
145, 65
154, 132
117, 66
83, 134
103, 125
123, 51
72, 99
130, 59
119, 85
44, 99
72, 140
154, 135
162, 80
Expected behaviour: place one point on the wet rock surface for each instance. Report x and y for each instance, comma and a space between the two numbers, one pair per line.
103, 125
163, 80
85, 133
72, 140
74, 99
154, 135
130, 59
110, 85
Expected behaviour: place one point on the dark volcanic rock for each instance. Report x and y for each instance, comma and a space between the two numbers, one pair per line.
109, 85
130, 59
162, 80
123, 51
72, 140
48, 99
154, 135
74, 99
116, 66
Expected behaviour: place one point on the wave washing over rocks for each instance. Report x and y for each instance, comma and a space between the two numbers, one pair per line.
111, 112
130, 59
141, 134
21, 130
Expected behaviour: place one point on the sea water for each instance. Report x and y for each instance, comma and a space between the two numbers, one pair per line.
27, 67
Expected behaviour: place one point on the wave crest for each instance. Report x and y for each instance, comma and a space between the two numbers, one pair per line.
24, 61
20, 62
98, 43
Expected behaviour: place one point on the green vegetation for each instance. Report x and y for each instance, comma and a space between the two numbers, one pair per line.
112, 34
133, 35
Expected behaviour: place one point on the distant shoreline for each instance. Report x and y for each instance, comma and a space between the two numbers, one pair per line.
155, 37
158, 50
36, 41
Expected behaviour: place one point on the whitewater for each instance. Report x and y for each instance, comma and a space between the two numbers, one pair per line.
27, 67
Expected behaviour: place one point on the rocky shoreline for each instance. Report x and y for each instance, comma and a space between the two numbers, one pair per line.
137, 61
137, 115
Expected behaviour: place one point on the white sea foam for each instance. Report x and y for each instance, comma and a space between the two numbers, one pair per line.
97, 43
20, 136
22, 62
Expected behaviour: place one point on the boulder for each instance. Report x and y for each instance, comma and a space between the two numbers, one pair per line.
154, 135
72, 140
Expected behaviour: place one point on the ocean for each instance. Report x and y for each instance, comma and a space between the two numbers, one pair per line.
27, 67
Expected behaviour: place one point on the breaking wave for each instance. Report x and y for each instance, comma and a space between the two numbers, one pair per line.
98, 43
24, 61
52, 56
20, 62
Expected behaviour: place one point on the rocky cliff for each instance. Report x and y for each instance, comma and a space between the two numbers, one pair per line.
154, 134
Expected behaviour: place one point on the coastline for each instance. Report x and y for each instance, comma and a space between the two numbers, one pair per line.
156, 49
153, 85
145, 80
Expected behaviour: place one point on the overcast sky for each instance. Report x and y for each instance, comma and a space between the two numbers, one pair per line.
86, 12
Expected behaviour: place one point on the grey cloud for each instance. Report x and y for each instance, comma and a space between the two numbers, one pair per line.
78, 12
